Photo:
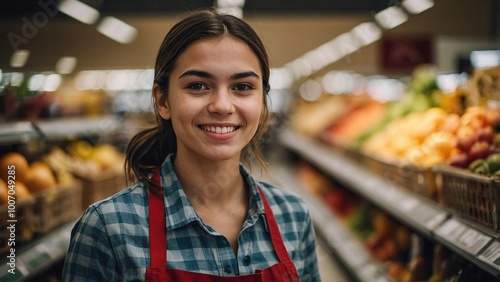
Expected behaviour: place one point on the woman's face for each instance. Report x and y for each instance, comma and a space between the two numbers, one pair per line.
214, 98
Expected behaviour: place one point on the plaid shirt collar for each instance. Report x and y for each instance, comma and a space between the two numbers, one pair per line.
180, 211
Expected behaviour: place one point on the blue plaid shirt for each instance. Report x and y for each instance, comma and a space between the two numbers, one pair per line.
110, 242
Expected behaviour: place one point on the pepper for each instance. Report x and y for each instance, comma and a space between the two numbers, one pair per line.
479, 166
493, 162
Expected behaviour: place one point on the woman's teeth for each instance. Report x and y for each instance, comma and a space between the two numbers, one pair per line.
219, 129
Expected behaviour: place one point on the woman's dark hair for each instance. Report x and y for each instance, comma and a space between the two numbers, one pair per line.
149, 148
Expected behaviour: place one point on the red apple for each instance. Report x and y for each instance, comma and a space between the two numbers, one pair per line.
485, 134
479, 150
465, 142
461, 160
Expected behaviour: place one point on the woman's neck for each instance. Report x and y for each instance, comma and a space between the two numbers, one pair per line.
209, 183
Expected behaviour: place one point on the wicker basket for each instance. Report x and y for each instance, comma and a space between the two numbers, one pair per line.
24, 223
417, 179
56, 206
100, 187
472, 196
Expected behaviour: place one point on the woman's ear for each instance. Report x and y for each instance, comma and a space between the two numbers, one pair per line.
161, 102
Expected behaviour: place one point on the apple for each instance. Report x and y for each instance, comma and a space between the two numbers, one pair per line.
461, 160
465, 142
479, 150
485, 134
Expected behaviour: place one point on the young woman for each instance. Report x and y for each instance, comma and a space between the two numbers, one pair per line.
195, 213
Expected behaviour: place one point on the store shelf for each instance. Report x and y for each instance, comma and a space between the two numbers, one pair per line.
478, 245
339, 240
59, 129
68, 128
18, 132
37, 256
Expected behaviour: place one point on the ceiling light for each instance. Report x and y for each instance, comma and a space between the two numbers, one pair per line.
79, 11
230, 3
117, 30
391, 17
66, 65
485, 58
233, 11
417, 6
19, 58
367, 33
52, 82
281, 78
35, 83
310, 90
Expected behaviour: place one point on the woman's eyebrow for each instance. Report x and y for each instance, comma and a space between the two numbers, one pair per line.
244, 75
208, 75
198, 73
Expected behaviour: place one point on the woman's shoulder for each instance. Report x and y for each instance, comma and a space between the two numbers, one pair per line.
130, 200
287, 201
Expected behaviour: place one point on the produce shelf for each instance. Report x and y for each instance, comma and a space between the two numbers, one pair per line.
58, 129
329, 229
478, 245
38, 255
17, 132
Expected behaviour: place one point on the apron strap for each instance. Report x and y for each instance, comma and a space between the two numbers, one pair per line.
277, 240
157, 226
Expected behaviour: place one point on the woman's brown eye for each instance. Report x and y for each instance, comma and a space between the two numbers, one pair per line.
196, 86
243, 87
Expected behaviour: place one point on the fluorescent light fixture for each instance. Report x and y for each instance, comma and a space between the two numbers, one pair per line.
417, 6
79, 11
66, 65
310, 90
367, 33
338, 82
35, 83
230, 3
19, 58
52, 82
117, 30
281, 78
347, 43
485, 58
234, 11
90, 80
449, 82
391, 17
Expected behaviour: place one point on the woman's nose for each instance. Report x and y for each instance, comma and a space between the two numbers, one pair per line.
221, 102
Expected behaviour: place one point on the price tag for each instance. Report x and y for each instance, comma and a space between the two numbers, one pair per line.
463, 236
451, 230
492, 254
474, 240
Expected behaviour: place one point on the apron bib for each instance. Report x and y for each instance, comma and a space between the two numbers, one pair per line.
284, 270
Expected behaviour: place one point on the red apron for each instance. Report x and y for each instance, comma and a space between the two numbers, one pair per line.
157, 271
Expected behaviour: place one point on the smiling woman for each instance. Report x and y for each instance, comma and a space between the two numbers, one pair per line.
194, 212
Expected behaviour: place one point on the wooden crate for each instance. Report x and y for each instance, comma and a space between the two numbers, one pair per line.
56, 206
99, 187
24, 223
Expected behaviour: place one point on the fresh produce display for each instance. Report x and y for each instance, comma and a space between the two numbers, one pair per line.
405, 255
436, 137
35, 177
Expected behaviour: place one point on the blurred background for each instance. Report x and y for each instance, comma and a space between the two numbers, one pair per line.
385, 120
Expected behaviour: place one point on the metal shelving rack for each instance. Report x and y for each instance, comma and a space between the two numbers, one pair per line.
476, 244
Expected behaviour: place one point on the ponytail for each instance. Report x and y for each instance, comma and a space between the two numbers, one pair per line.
147, 150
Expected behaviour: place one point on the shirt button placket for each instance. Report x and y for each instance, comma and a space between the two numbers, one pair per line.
247, 260
227, 269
